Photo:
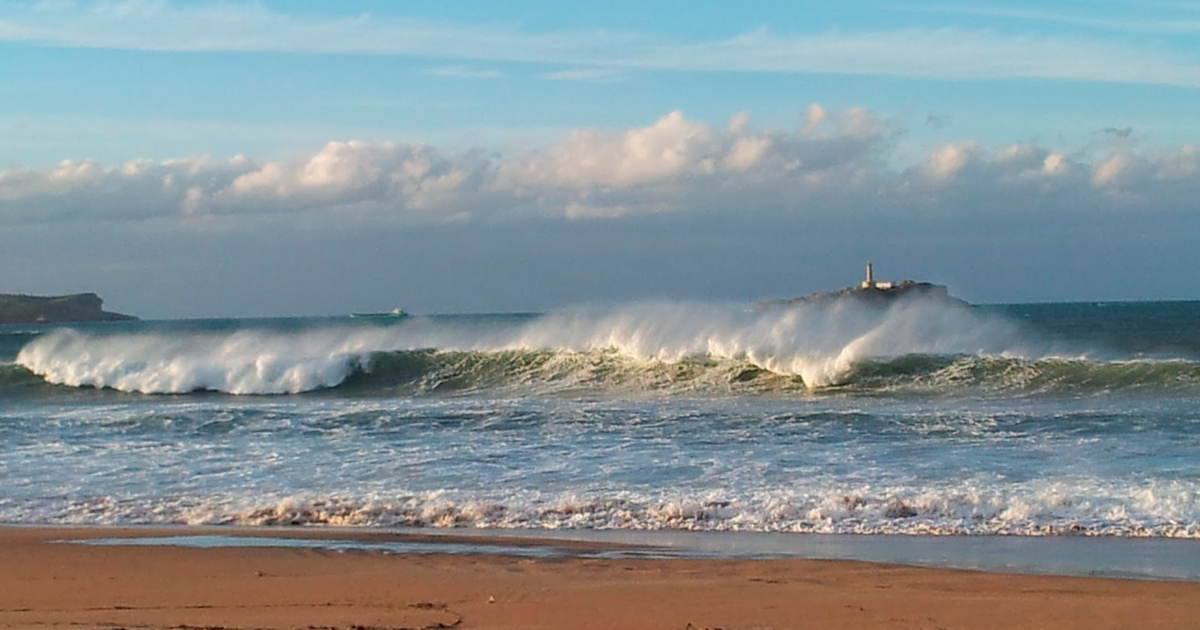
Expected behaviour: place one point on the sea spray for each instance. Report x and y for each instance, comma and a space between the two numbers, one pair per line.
819, 343
238, 363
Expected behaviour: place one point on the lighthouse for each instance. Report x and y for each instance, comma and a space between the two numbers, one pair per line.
870, 283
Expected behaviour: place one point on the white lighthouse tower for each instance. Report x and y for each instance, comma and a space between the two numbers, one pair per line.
870, 283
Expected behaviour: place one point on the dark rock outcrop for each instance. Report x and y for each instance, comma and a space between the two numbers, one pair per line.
871, 296
38, 309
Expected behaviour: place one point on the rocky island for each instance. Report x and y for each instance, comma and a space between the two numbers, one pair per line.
39, 309
871, 292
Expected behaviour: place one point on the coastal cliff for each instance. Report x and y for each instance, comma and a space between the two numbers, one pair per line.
38, 309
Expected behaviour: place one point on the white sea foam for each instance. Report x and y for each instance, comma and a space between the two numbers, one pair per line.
900, 465
1156, 510
820, 344
239, 363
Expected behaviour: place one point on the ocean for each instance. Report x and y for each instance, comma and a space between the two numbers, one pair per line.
922, 419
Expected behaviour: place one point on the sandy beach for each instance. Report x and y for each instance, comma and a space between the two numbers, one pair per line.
50, 584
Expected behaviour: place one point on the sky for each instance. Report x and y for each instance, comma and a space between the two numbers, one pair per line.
274, 158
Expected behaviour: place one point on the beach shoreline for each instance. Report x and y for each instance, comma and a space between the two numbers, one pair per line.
49, 583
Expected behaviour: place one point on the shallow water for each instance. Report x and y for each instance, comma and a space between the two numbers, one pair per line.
1133, 558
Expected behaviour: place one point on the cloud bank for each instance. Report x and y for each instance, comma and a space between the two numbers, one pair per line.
948, 52
836, 164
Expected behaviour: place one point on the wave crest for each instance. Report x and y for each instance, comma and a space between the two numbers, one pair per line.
243, 362
650, 347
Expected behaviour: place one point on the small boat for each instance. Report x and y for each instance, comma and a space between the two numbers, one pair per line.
396, 313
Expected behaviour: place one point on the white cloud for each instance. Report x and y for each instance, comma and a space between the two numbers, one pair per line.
1181, 165
583, 74
948, 160
464, 72
739, 122
836, 162
1109, 171
941, 52
1176, 20
816, 115
746, 152
577, 210
1055, 164
673, 146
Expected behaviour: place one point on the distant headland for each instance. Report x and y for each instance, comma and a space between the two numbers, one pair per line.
39, 309
871, 292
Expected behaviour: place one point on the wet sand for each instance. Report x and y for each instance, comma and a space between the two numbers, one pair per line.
45, 584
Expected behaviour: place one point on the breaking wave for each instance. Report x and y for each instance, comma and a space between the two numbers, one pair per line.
643, 348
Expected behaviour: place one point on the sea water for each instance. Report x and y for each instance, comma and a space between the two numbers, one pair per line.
925, 418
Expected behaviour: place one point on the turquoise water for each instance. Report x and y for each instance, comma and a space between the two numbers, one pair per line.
921, 419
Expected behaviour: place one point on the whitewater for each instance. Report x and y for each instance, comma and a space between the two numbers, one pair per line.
922, 418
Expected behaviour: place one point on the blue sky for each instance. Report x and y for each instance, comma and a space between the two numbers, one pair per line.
125, 80
599, 123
